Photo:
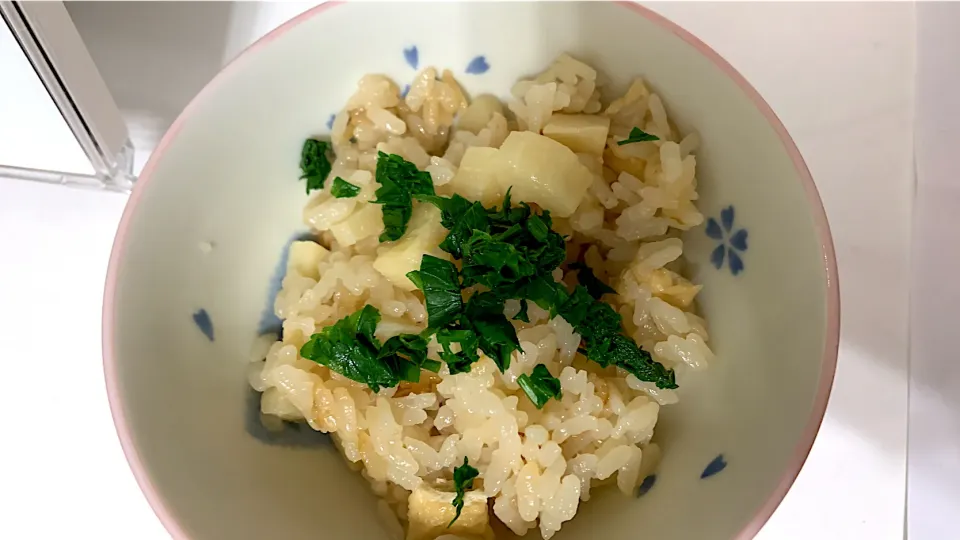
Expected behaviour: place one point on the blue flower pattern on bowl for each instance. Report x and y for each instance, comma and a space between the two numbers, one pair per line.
203, 322
646, 485
718, 464
412, 56
478, 66
732, 242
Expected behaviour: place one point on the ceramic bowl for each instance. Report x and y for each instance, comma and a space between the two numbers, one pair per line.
203, 234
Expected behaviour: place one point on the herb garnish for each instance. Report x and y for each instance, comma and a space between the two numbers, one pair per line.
588, 279
508, 253
399, 181
540, 385
350, 348
342, 189
522, 314
483, 312
638, 135
440, 283
462, 481
315, 163
406, 354
458, 362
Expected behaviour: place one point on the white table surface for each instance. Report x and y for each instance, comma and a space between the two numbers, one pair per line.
933, 490
839, 75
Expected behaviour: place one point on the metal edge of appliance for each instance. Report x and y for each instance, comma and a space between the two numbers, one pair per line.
51, 43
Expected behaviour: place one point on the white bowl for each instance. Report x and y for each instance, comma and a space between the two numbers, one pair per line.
219, 199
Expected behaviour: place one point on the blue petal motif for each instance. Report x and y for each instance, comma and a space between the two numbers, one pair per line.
412, 56
330, 121
726, 216
716, 257
736, 263
406, 90
718, 464
739, 240
646, 485
713, 229
478, 66
202, 319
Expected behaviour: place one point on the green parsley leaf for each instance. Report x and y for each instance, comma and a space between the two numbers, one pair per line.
349, 348
315, 163
397, 208
492, 263
575, 307
638, 135
458, 362
399, 180
545, 292
440, 284
462, 481
342, 189
366, 321
538, 228
451, 208
498, 338
509, 215
406, 354
588, 279
540, 385
601, 321
621, 351
522, 314
473, 219
460, 216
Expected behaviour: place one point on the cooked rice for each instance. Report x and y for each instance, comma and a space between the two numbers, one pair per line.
535, 465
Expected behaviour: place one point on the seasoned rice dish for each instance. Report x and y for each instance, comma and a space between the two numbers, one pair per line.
492, 309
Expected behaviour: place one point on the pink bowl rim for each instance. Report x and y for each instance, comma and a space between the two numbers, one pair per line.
828, 361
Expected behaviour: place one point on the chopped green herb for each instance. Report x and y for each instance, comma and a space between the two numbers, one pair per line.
575, 306
621, 351
544, 292
493, 263
522, 314
399, 180
440, 284
349, 348
540, 385
588, 279
601, 321
474, 218
638, 135
406, 354
508, 214
497, 336
462, 481
315, 163
397, 208
367, 320
458, 362
538, 228
600, 327
342, 189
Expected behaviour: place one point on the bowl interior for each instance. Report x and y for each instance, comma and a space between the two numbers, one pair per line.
205, 231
